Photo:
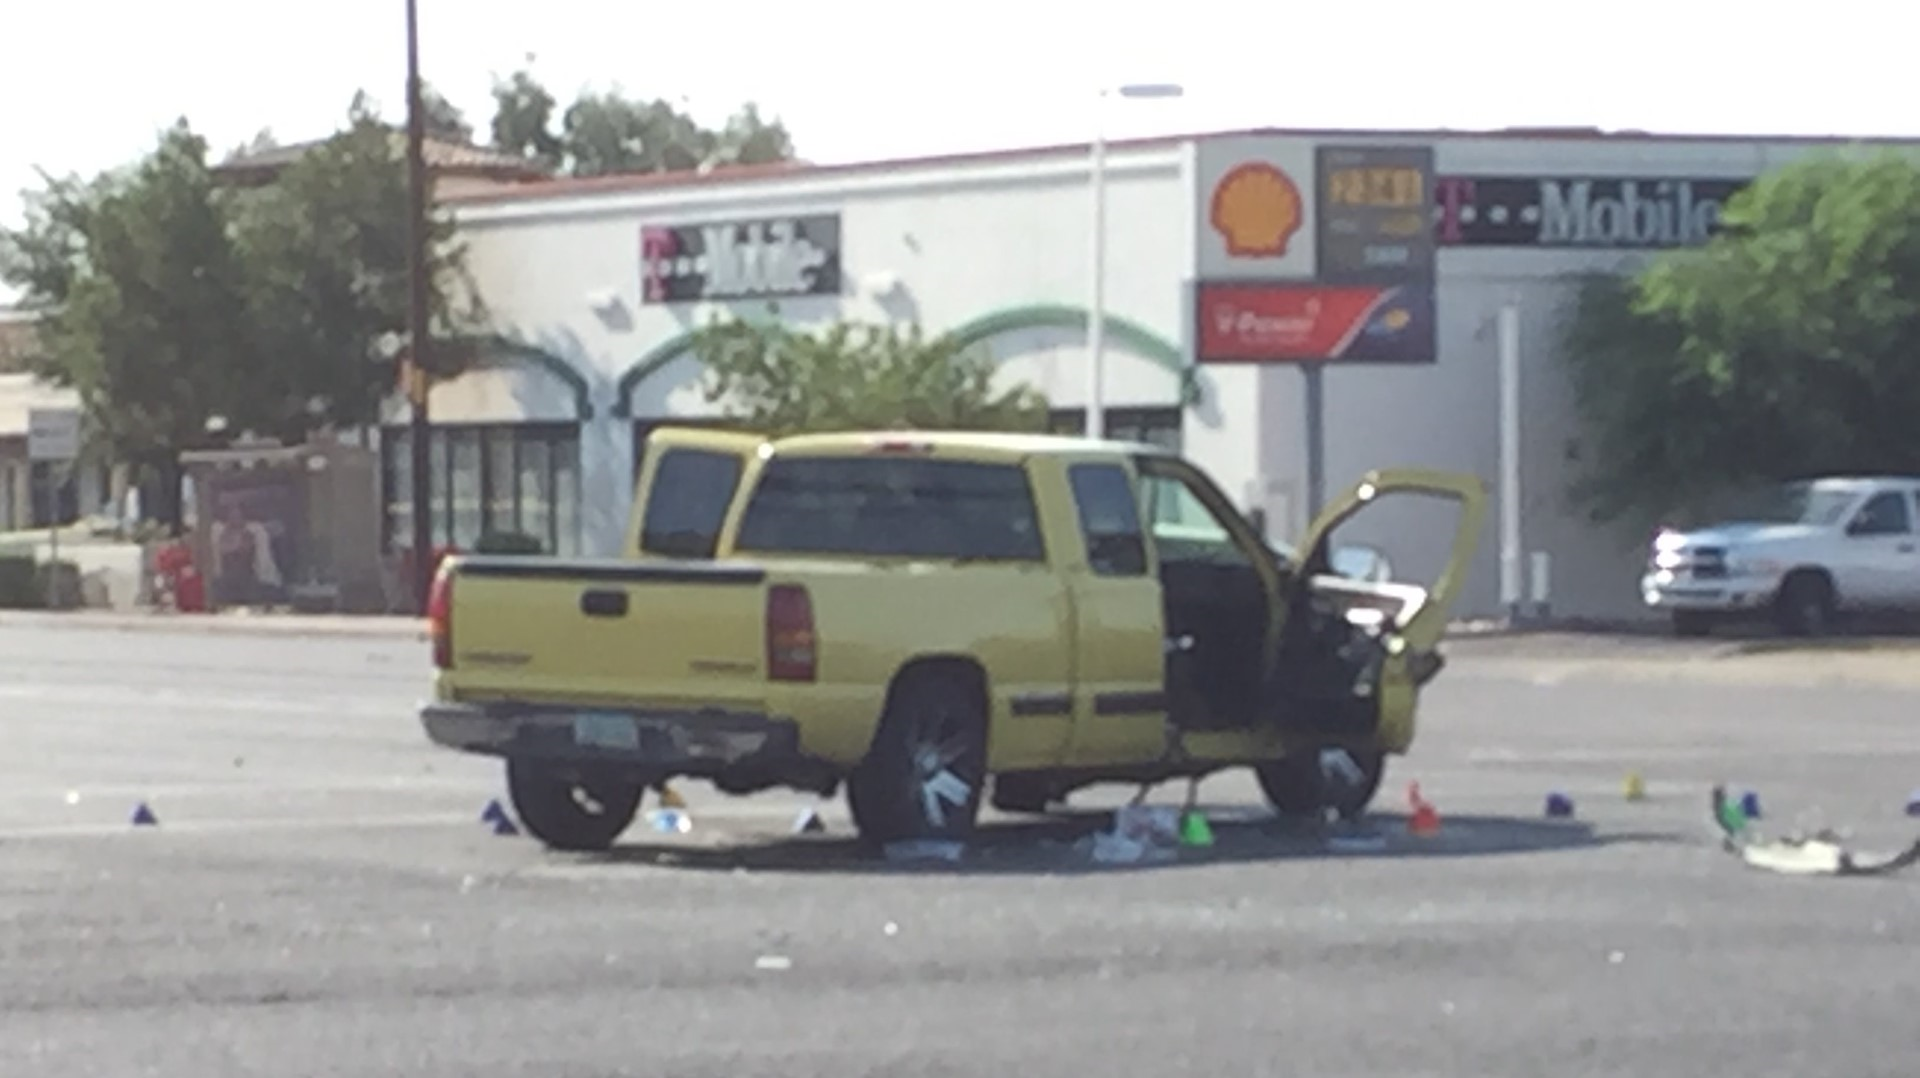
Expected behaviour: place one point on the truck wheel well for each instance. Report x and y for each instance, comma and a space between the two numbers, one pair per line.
1808, 572
959, 667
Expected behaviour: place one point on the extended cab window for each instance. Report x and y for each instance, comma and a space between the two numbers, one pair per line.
1184, 529
892, 506
1884, 514
1109, 519
688, 503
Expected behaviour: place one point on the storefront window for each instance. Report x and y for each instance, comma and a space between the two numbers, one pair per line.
489, 478
503, 494
1154, 426
467, 480
55, 494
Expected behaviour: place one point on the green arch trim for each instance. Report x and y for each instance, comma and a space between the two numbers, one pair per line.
1128, 334
496, 345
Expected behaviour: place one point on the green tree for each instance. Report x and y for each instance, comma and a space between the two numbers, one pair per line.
326, 250
606, 132
1788, 345
141, 288
854, 376
443, 120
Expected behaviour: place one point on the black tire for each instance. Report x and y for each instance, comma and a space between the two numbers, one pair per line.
1805, 604
1310, 784
923, 776
571, 814
1692, 623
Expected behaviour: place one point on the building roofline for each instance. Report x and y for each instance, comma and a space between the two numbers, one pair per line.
570, 187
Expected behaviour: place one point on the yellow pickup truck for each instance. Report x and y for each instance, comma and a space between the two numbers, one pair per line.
923, 615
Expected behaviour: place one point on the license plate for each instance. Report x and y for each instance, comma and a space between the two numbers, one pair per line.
599, 730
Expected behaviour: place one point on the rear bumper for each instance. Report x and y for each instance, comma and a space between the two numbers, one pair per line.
678, 742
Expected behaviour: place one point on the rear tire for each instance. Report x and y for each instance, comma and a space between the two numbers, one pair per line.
570, 814
1805, 604
923, 776
1307, 785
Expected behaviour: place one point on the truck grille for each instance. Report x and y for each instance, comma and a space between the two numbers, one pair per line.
1700, 563
1708, 563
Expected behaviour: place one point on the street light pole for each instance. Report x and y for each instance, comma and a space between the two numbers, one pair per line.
1096, 426
420, 426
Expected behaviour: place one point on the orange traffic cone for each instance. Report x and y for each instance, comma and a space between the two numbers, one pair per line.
1425, 820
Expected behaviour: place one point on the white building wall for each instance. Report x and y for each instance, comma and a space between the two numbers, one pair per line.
564, 275
970, 239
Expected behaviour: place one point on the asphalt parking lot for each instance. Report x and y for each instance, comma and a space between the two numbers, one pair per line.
320, 897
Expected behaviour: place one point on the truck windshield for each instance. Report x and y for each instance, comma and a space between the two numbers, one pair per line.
1797, 503
905, 507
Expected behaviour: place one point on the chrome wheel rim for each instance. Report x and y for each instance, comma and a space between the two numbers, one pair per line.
938, 781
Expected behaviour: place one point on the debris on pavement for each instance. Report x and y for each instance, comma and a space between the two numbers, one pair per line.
1140, 834
1819, 854
143, 816
925, 849
670, 821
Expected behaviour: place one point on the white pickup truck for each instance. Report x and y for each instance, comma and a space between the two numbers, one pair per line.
1817, 548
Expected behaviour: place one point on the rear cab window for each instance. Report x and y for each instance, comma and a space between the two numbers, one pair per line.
687, 505
892, 506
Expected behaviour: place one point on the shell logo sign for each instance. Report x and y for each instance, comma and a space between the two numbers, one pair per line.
1256, 208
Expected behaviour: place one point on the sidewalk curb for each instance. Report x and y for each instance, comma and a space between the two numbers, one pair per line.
293, 625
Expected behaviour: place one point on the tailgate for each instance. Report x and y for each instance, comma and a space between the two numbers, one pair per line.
536, 630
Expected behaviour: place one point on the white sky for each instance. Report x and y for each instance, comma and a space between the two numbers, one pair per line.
87, 85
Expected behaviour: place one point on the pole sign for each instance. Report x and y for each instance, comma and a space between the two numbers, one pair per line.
1376, 207
53, 434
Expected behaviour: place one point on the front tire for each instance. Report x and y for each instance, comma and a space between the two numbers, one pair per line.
923, 776
564, 813
1805, 605
1308, 785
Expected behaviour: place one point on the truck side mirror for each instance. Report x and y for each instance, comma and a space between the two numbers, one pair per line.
1257, 517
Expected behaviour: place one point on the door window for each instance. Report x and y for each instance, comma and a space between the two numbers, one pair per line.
1884, 514
1109, 519
1184, 528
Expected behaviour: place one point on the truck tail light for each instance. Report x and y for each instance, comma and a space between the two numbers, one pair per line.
440, 616
790, 636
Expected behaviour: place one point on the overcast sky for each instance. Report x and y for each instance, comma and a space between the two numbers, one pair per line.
88, 85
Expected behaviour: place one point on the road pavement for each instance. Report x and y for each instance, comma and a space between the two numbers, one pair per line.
320, 898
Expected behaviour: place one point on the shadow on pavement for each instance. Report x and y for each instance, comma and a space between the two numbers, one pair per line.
1059, 845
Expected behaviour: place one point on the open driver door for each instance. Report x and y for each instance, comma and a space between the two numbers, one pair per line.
1353, 652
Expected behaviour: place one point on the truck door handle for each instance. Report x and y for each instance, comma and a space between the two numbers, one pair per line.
1905, 548
601, 603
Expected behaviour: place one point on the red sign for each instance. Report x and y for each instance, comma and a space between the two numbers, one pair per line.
1282, 322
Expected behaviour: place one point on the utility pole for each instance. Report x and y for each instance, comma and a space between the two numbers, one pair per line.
420, 425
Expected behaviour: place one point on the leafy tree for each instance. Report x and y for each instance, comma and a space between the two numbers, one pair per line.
141, 289
856, 376
606, 132
326, 250
1787, 346
442, 120
171, 300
